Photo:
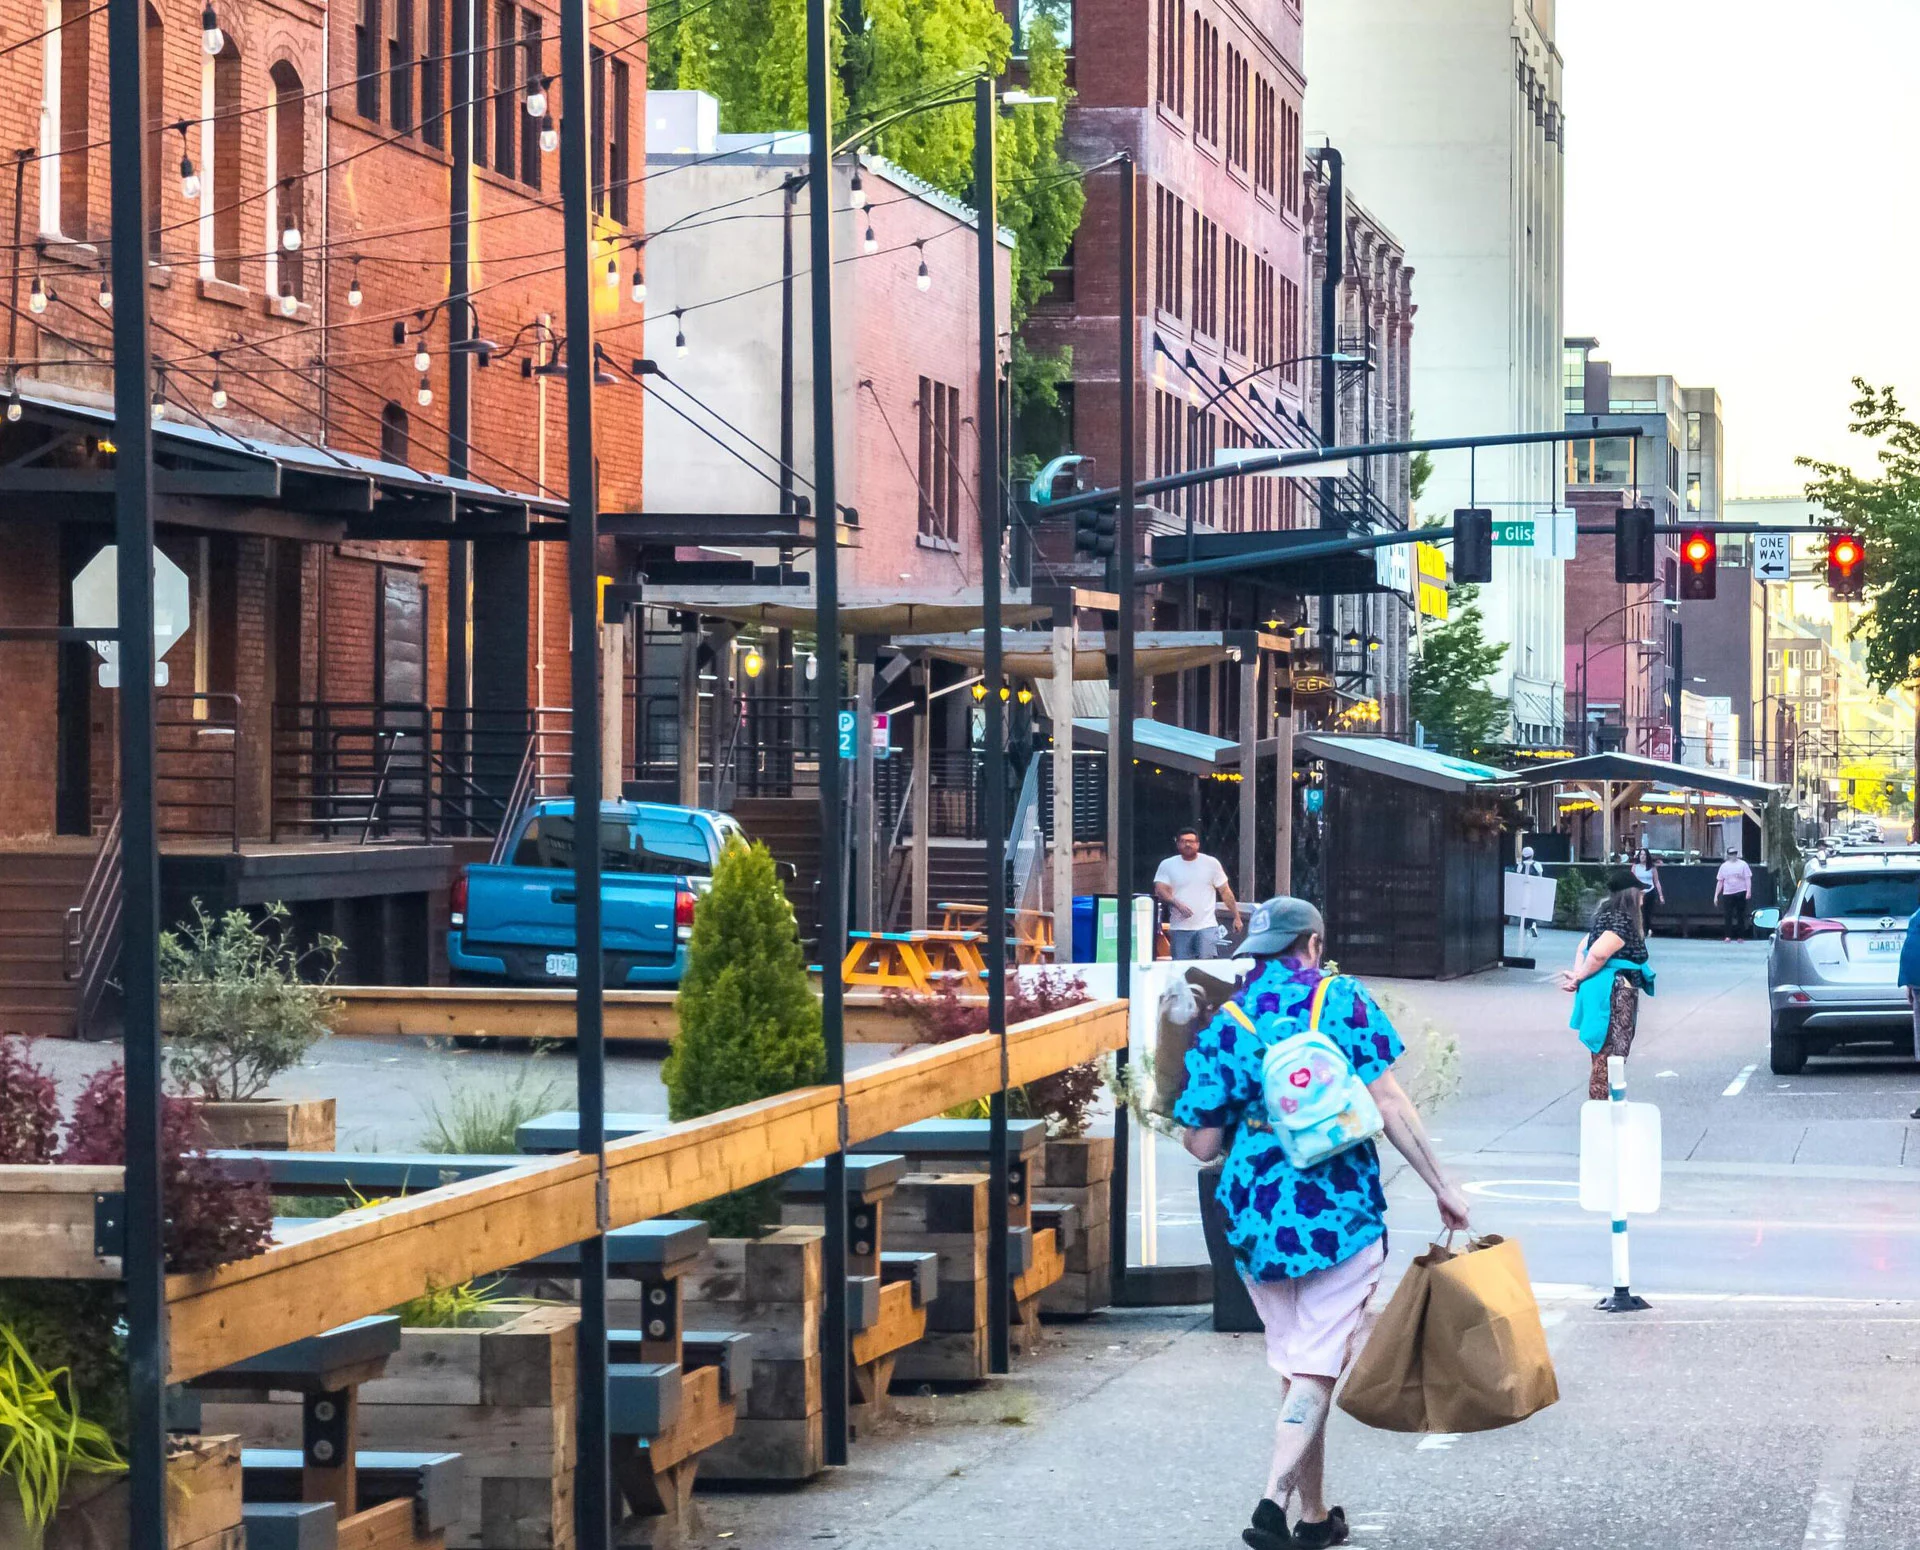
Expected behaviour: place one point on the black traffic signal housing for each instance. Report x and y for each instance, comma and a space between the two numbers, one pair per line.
1472, 546
1846, 565
1699, 559
1094, 530
1634, 559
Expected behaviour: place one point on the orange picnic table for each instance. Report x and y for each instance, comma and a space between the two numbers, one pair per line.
912, 960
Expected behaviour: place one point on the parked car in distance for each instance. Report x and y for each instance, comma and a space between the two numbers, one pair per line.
1833, 970
514, 923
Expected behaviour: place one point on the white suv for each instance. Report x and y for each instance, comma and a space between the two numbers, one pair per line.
1833, 973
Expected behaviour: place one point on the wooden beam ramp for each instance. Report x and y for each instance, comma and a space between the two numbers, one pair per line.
372, 1259
542, 1012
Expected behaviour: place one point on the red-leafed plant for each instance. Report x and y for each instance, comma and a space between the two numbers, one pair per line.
29, 1109
1065, 1099
214, 1215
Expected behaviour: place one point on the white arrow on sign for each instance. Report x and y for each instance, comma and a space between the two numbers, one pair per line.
1773, 556
96, 606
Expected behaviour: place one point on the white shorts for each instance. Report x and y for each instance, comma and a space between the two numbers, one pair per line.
1314, 1322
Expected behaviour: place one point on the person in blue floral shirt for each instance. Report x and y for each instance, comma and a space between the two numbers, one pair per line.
1309, 1242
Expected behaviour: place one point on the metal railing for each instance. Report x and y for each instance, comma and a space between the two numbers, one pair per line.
90, 949
198, 764
1089, 798
545, 770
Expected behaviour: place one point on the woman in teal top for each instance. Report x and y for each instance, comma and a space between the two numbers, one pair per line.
1613, 959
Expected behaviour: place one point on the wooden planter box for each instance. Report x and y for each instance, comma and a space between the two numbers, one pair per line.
203, 1505
502, 1395
1079, 1173
269, 1124
46, 1221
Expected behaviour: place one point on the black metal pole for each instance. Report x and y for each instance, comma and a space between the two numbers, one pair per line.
460, 327
826, 581
1120, 734
994, 750
790, 188
593, 1494
1335, 268
144, 1261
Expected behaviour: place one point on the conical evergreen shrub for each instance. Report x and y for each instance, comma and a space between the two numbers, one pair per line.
749, 1020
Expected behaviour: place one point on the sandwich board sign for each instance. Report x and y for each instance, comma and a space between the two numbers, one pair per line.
96, 606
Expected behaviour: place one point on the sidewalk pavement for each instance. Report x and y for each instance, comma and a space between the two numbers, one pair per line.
1708, 1422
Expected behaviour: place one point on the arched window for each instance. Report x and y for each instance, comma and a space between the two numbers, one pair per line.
286, 181
220, 186
156, 119
68, 55
393, 434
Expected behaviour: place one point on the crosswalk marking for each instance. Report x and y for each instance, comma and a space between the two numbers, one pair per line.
1738, 1084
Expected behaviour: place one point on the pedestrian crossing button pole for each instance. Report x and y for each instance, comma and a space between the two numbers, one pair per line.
1620, 1173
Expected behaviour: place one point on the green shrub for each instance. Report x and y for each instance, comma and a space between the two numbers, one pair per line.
1568, 893
238, 1004
749, 1022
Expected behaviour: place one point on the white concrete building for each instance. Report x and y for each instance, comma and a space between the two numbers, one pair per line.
1449, 116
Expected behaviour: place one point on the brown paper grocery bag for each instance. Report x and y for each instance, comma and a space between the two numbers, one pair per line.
1485, 1358
1458, 1349
1383, 1386
1187, 1005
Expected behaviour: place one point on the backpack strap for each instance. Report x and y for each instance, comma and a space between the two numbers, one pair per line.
1319, 1001
1232, 1009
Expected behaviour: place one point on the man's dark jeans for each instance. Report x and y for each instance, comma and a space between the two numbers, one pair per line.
1733, 915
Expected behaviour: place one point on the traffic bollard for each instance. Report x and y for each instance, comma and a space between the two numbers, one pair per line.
1622, 1300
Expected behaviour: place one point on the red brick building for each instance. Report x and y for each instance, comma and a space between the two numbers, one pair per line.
299, 195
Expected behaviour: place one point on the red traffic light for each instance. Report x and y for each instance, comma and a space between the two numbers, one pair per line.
1846, 565
1698, 550
1844, 552
1698, 580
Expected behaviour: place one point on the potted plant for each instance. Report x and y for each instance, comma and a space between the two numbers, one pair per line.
242, 1005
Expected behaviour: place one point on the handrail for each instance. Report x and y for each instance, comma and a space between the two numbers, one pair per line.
373, 1258
1025, 848
92, 944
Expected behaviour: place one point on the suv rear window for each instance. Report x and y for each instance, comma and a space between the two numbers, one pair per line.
663, 847
1876, 894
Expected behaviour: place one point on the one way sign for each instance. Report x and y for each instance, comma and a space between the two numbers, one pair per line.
1773, 557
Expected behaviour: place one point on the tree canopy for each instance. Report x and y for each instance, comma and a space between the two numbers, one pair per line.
1447, 684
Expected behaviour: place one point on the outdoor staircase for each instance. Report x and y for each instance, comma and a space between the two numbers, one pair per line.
37, 888
790, 828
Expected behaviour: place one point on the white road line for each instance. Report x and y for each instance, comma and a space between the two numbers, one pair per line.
1735, 1087
1833, 1493
1439, 1442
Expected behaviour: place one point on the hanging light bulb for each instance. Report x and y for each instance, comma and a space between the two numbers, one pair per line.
752, 662
813, 666
425, 395
680, 334
872, 242
354, 296
923, 279
14, 408
212, 39
159, 403
421, 360
537, 97
549, 136
639, 286
290, 238
289, 303
859, 196
106, 292
219, 397
37, 298
979, 692
189, 179
613, 271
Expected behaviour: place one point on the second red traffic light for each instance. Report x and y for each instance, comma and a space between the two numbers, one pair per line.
1699, 558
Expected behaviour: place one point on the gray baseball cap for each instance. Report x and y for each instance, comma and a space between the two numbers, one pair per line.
1277, 924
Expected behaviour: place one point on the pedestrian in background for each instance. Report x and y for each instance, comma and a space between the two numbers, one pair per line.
1529, 868
1308, 1241
1607, 977
1732, 886
1188, 884
1646, 871
1910, 981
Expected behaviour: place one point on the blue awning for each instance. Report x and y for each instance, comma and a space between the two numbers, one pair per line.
1420, 766
1193, 753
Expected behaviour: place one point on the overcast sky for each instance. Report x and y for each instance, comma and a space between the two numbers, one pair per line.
1743, 209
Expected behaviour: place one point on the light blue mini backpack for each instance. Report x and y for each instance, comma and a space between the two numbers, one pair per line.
1315, 1101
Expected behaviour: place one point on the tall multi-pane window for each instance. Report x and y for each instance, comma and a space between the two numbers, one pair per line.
286, 180
1239, 112
598, 86
69, 62
939, 469
368, 43
535, 64
1206, 80
482, 120
400, 68
619, 173
1235, 311
1289, 158
1693, 431
433, 76
1288, 344
223, 200
1265, 101
156, 119
1206, 276
1263, 350
507, 111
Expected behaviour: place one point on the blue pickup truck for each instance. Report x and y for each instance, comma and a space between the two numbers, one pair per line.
514, 923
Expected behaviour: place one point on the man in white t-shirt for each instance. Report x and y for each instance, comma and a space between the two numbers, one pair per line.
1732, 885
1188, 884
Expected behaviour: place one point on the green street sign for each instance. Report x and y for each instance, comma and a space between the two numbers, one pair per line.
1513, 535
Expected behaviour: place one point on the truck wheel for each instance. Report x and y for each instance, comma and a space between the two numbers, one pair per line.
1788, 1049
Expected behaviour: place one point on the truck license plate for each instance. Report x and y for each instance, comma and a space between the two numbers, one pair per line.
563, 965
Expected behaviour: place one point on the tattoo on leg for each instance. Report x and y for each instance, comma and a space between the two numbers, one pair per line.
1300, 1407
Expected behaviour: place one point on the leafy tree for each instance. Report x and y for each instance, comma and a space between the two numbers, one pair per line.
1447, 684
749, 1023
1884, 509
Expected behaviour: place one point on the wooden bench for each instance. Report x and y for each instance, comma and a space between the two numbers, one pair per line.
368, 1174
553, 1134
402, 1500
884, 1314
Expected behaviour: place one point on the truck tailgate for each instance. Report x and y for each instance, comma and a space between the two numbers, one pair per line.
532, 907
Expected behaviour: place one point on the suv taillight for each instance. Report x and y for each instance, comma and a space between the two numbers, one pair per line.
1798, 928
683, 903
457, 900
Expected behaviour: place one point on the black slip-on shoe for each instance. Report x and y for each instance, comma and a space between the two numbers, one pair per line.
1330, 1530
1268, 1531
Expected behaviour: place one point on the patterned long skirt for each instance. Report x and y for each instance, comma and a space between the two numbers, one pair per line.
1622, 1014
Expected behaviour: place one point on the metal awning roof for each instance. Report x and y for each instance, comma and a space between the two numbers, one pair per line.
1192, 753
55, 449
858, 616
1635, 767
1028, 654
1399, 761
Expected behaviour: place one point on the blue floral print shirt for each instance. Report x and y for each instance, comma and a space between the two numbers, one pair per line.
1283, 1221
